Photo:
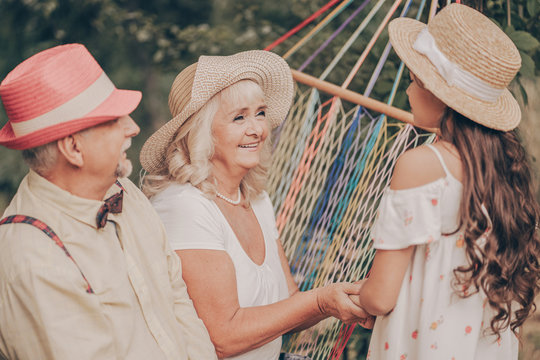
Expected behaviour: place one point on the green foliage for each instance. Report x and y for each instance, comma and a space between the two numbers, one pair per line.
523, 40
140, 44
520, 19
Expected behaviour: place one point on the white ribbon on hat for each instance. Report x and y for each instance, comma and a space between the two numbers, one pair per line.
75, 108
452, 73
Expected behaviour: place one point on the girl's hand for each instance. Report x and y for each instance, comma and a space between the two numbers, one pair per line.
334, 300
368, 322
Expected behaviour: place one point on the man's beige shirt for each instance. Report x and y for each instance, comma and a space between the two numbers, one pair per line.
140, 308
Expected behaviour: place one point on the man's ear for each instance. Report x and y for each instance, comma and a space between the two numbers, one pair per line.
71, 148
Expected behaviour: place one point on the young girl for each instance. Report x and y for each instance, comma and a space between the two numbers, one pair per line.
456, 269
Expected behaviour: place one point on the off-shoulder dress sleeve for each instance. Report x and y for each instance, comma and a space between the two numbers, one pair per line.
408, 217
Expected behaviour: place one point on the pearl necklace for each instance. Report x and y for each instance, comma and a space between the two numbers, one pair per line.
230, 201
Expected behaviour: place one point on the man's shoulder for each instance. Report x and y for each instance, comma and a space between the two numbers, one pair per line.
23, 203
133, 193
137, 209
23, 221
129, 186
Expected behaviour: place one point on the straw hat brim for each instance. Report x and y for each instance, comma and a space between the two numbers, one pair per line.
504, 114
119, 103
212, 75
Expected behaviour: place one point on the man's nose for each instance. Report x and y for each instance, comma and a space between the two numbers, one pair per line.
132, 129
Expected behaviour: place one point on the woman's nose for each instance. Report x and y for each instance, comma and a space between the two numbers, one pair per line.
255, 127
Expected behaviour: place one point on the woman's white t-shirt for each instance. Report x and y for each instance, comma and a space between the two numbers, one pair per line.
192, 221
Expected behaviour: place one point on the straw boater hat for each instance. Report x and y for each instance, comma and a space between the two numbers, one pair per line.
58, 92
199, 82
465, 60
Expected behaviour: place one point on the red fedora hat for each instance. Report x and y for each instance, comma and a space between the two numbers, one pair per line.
58, 92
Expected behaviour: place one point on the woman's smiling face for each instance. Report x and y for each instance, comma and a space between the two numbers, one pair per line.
239, 129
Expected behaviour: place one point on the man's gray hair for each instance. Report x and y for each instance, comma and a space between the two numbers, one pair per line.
42, 158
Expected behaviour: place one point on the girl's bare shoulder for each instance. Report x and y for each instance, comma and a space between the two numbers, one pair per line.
416, 167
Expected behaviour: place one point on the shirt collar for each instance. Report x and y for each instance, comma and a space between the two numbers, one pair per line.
78, 208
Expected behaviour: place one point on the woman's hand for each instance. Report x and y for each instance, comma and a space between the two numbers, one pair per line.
369, 321
334, 300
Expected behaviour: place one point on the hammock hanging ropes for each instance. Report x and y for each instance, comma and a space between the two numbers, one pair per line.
333, 156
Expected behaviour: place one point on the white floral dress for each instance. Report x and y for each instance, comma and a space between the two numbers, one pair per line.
429, 320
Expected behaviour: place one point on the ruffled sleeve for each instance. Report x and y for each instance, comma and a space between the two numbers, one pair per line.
409, 217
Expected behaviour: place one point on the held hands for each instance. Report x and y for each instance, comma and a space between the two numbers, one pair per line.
340, 300
355, 298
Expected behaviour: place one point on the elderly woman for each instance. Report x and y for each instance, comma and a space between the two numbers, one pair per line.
206, 178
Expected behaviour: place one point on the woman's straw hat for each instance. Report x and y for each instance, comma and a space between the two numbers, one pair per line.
199, 82
58, 92
465, 60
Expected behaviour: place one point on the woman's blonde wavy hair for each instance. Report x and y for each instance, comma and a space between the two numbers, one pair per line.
188, 156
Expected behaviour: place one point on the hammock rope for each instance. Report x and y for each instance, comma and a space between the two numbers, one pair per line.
352, 39
303, 24
318, 28
333, 36
368, 48
333, 161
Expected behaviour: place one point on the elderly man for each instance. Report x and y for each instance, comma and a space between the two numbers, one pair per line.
82, 277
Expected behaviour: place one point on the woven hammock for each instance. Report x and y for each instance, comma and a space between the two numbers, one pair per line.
334, 155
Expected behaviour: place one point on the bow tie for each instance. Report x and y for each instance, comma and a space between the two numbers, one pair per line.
113, 205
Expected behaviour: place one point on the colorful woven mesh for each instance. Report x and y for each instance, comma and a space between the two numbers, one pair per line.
332, 162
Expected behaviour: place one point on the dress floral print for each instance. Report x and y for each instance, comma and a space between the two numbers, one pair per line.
431, 320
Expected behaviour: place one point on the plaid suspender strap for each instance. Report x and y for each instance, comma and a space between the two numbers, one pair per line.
23, 219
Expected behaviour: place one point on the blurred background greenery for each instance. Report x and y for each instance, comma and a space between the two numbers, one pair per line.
143, 44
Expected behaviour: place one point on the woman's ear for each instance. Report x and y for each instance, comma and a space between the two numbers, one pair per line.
71, 148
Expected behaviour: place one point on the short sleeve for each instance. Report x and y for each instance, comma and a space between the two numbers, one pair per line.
408, 217
191, 221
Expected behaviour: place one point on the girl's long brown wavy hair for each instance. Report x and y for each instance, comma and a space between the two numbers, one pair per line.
497, 175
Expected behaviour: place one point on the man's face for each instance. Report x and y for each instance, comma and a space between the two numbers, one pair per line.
105, 148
